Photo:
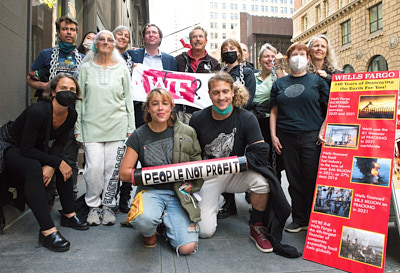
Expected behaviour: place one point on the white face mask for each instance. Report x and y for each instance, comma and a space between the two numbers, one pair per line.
86, 44
298, 63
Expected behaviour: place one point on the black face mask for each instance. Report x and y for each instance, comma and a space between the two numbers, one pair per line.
66, 98
229, 57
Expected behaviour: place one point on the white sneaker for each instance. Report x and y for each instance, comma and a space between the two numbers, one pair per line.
108, 217
94, 215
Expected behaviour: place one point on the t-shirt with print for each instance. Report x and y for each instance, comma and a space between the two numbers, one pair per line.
299, 102
228, 137
153, 148
66, 62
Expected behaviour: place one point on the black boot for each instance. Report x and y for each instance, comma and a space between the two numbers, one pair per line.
2, 220
229, 208
54, 241
125, 197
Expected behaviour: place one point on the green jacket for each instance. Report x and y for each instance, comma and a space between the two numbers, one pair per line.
187, 148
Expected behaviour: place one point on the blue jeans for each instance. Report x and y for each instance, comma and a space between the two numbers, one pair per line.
164, 206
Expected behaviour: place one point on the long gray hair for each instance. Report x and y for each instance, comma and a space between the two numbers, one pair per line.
330, 62
93, 53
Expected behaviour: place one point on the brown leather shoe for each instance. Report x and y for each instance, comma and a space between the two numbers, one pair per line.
149, 241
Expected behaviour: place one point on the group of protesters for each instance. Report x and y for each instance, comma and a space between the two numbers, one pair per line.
275, 119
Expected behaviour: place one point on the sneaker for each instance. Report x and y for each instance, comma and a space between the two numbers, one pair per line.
108, 217
149, 241
93, 218
294, 227
257, 235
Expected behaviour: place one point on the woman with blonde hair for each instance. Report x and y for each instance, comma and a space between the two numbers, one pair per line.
105, 120
164, 140
322, 58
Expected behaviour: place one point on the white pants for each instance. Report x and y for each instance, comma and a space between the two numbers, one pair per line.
232, 183
102, 162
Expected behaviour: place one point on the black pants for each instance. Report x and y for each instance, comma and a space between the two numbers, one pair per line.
277, 165
30, 170
300, 157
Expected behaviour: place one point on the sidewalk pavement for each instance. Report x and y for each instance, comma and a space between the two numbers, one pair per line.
119, 249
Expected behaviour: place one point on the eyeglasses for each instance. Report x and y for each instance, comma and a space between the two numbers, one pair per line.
106, 40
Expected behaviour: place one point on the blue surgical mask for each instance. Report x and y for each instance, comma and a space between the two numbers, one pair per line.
223, 112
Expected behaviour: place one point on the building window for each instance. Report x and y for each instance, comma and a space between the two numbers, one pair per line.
223, 5
215, 24
236, 16
325, 8
244, 6
211, 15
215, 15
346, 32
252, 7
211, 5
262, 8
318, 13
304, 23
375, 18
266, 8
276, 9
232, 26
348, 69
223, 15
223, 25
291, 10
232, 16
211, 25
236, 6
378, 63
223, 35
231, 5
216, 35
285, 10
256, 8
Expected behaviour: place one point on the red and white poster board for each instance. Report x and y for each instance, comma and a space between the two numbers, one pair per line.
349, 219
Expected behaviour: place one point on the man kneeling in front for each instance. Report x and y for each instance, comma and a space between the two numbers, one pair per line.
226, 129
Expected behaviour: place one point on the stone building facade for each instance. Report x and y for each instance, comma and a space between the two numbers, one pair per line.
363, 33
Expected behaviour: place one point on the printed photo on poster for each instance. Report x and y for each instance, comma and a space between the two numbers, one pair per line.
370, 170
333, 201
377, 107
362, 246
342, 136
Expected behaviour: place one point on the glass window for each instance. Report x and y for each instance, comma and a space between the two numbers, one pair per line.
375, 18
223, 15
223, 35
223, 25
291, 10
256, 8
215, 5
211, 24
236, 6
276, 9
223, 5
378, 63
231, 5
252, 7
236, 16
348, 69
232, 26
346, 32
232, 16
244, 6
262, 8
266, 8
